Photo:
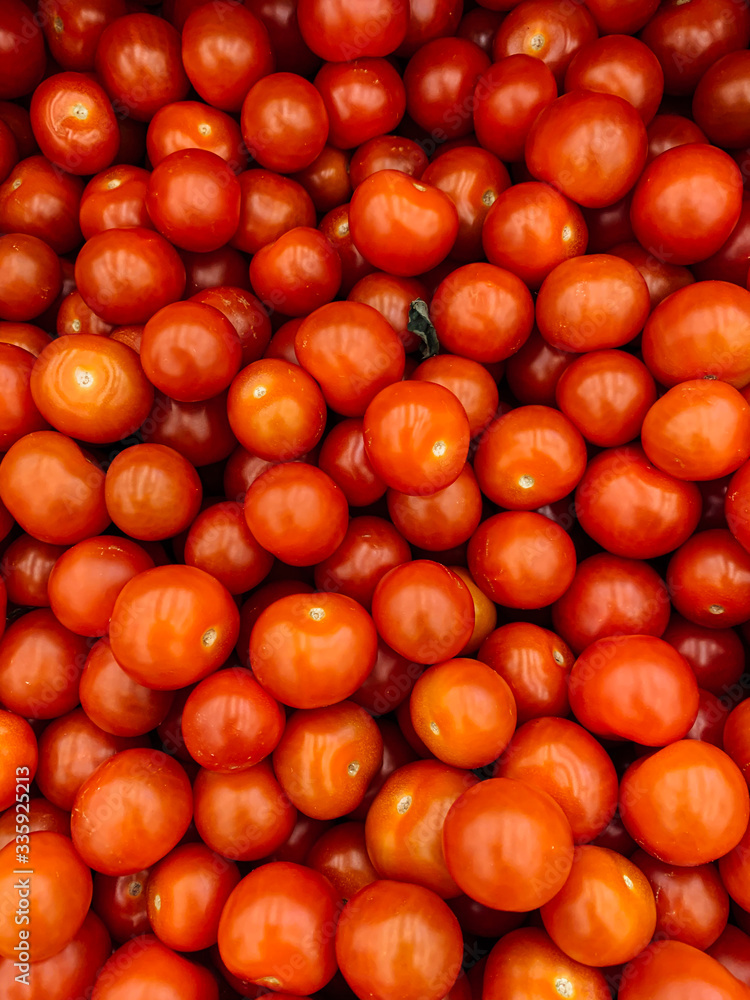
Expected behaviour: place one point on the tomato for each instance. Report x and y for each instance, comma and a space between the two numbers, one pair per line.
335, 227
616, 682
220, 542
546, 30
326, 759
312, 650
441, 520
424, 611
402, 225
611, 596
126, 275
270, 205
154, 807
632, 508
469, 381
32, 277
230, 723
75, 317
416, 437
353, 30
521, 559
592, 302
18, 756
507, 99
22, 48
40, 200
113, 701
686, 203
138, 61
605, 913
692, 905
709, 579
386, 152
519, 873
200, 432
55, 908
666, 969
26, 566
731, 949
715, 655
658, 804
564, 149
225, 266
20, 415
719, 102
192, 125
341, 856
280, 19
151, 491
284, 122
326, 179
371, 547
344, 459
398, 939
189, 876
363, 99
246, 314
24, 335
172, 626
115, 199
225, 52
533, 371
526, 965
297, 273
479, 26
120, 901
145, 966
74, 123
440, 79
292, 912
621, 65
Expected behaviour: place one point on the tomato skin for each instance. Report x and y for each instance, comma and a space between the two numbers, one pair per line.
658, 807
270, 205
469, 381
40, 200
22, 48
440, 79
32, 277
526, 965
667, 969
51, 468
371, 547
74, 123
25, 335
615, 682
521, 559
719, 96
341, 855
660, 512
353, 30
418, 959
225, 52
18, 756
299, 670
343, 458
401, 225
363, 98
326, 180
144, 965
709, 579
284, 122
126, 275
562, 147
441, 520
26, 566
519, 874
547, 31
138, 61
293, 910
386, 152
611, 596
297, 273
621, 65
57, 870
508, 97
115, 199
686, 203
73, 30
731, 950
20, 416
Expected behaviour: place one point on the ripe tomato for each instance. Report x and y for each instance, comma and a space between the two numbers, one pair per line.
32, 277
18, 756
441, 520
115, 199
387, 152
605, 913
26, 566
292, 911
24, 57
225, 52
621, 65
667, 969
398, 939
440, 79
424, 611
526, 965
270, 205
371, 547
20, 415
363, 99
341, 855
716, 101
113, 701
284, 122
297, 273
220, 543
709, 579
40, 200
507, 98
327, 757
74, 123
519, 873
731, 950
546, 30
55, 900
353, 30
402, 225
343, 458
312, 650
658, 805
144, 965
200, 432
73, 29
564, 147
326, 180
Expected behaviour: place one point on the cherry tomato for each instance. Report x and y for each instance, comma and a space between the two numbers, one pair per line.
341, 855
284, 122
297, 273
40, 200
508, 97
31, 277
621, 65
73, 29
668, 968
709, 579
353, 30
74, 123
24, 57
440, 79
18, 756
344, 459
145, 965
363, 99
371, 547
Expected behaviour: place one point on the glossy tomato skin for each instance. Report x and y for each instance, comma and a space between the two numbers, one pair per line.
344, 459
401, 225
341, 855
427, 939
33, 277
709, 579
440, 79
297, 273
660, 514
546, 31
113, 701
138, 61
353, 30
363, 98
126, 275
19, 755
40, 200
144, 965
619, 65
193, 125
508, 97
26, 566
224, 53
371, 547
686, 203
658, 807
288, 905
284, 122
720, 94
22, 50
21, 415
615, 682
469, 381
665, 969
716, 656
115, 199
220, 542
562, 147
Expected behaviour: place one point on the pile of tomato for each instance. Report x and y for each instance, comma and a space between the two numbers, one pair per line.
374, 499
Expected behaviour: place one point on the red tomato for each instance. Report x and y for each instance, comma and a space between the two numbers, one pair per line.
22, 47
667, 969
660, 810
508, 97
144, 965
440, 79
564, 147
18, 757
312, 650
395, 938
353, 29
32, 277
709, 579
616, 683
115, 199
40, 200
386, 152
716, 656
293, 910
225, 51
667, 131
270, 205
73, 29
732, 950
344, 459
402, 225
363, 98
26, 566
720, 102
371, 547
74, 123
284, 122
297, 273
193, 125
687, 202
341, 855
533, 372
280, 19
621, 65
469, 381
220, 543
200, 432
20, 414
546, 30
326, 179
